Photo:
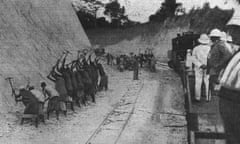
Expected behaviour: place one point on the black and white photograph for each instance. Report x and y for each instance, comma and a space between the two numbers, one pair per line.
119, 71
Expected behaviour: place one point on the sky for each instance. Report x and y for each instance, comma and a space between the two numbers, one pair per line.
140, 10
223, 4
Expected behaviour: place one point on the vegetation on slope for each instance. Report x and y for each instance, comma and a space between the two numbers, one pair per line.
198, 20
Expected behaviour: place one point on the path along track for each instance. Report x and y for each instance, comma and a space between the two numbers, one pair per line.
111, 128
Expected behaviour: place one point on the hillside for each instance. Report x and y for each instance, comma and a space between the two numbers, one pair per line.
33, 34
159, 35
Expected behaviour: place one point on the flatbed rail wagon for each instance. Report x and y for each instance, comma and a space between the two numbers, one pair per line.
203, 119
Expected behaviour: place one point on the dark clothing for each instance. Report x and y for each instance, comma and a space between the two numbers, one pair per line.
153, 64
218, 58
229, 107
68, 82
213, 80
104, 78
103, 82
85, 77
92, 70
101, 70
141, 59
74, 80
53, 104
30, 102
108, 58
121, 65
60, 85
135, 70
27, 97
79, 81
32, 108
118, 60
135, 75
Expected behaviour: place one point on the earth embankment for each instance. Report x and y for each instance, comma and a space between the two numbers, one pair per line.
33, 34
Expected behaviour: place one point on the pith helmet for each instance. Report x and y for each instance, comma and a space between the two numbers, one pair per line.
204, 39
229, 38
21, 87
224, 36
215, 33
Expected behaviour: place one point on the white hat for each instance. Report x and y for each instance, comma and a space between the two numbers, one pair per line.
223, 36
215, 33
21, 87
229, 38
96, 46
204, 39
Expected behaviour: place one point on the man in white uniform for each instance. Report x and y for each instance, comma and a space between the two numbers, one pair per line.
199, 58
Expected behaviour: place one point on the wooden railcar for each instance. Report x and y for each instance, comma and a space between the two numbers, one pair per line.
204, 121
205, 125
180, 45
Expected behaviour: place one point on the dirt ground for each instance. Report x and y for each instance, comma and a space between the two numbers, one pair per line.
147, 111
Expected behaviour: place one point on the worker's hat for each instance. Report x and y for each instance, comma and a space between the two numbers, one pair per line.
204, 39
215, 33
229, 38
21, 87
223, 36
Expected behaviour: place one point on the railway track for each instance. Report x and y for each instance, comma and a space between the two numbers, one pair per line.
111, 128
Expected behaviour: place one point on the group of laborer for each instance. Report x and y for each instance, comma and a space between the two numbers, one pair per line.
131, 61
75, 82
210, 58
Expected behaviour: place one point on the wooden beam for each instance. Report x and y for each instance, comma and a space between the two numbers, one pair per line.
209, 135
29, 116
192, 137
188, 94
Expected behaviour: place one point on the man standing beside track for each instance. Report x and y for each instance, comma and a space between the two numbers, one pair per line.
135, 69
218, 58
199, 55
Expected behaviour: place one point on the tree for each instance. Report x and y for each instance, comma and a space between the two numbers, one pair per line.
87, 10
167, 9
116, 12
113, 9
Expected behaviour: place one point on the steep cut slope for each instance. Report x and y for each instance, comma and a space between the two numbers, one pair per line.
33, 34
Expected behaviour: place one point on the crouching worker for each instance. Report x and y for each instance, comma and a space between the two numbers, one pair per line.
199, 56
30, 102
218, 58
54, 103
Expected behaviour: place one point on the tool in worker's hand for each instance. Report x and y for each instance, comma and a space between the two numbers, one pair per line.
9, 79
28, 83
